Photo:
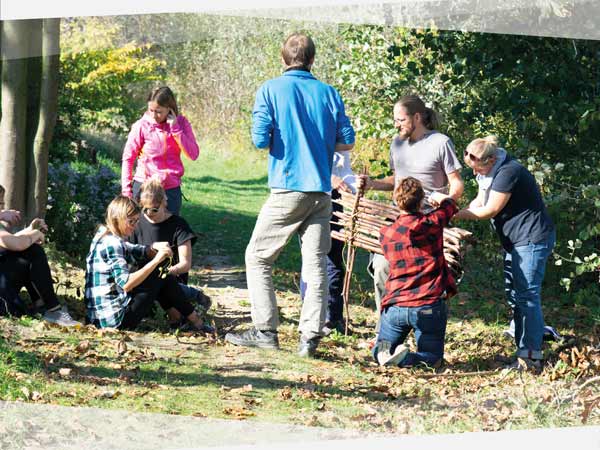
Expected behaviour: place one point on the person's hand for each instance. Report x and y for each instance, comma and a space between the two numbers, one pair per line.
39, 224
339, 184
436, 198
362, 182
171, 118
10, 216
163, 253
39, 237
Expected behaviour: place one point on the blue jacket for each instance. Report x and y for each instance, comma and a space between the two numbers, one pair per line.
300, 119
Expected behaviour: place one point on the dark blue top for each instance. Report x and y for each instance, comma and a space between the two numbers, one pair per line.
524, 219
300, 119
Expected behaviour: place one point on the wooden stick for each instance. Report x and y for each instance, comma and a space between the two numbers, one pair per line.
351, 254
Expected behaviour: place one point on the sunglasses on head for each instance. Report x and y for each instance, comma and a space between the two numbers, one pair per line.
150, 210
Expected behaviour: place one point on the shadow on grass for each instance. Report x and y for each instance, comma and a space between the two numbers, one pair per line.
210, 377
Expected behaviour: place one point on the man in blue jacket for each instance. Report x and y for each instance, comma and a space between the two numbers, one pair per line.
302, 122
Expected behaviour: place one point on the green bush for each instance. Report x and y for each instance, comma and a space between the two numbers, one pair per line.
78, 194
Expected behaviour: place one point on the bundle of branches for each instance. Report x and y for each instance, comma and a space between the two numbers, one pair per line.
363, 220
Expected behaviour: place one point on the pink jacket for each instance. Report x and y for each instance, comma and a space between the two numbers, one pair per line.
157, 148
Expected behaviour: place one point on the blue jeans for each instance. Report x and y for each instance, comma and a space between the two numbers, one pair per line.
524, 269
429, 324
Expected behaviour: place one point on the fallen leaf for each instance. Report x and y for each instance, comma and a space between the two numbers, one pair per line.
238, 412
121, 347
285, 393
64, 372
83, 347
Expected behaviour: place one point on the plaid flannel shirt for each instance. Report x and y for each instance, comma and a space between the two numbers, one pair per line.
414, 247
108, 265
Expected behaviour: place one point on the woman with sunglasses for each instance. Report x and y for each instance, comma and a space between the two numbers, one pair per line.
509, 196
158, 224
117, 297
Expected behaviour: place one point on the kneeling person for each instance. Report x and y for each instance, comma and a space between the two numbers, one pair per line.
419, 281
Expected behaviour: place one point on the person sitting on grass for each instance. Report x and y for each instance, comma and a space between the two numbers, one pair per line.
419, 282
157, 224
23, 263
117, 297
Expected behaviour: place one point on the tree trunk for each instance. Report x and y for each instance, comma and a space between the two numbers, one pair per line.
46, 119
13, 157
34, 76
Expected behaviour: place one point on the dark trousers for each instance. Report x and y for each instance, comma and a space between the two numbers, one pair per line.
166, 291
336, 271
29, 268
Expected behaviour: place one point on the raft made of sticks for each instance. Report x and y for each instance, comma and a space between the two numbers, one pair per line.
363, 218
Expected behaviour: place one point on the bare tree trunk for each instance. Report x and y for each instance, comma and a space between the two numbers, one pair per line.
46, 120
13, 157
34, 76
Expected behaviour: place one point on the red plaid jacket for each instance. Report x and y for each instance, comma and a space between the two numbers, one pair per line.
414, 247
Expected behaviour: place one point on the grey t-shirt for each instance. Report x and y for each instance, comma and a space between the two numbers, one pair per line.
429, 160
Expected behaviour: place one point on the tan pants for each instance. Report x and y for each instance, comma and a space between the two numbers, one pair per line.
283, 215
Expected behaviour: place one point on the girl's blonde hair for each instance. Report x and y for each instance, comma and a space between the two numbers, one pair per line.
118, 211
152, 192
483, 148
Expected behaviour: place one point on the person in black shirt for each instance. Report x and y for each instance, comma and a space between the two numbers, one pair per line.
509, 196
157, 224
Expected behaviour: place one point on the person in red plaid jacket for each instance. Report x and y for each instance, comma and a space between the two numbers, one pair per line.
419, 281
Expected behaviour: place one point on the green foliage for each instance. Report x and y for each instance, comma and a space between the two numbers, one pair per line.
103, 81
78, 195
539, 95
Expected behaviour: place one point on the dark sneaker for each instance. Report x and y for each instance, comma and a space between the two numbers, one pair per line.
186, 326
550, 333
308, 347
526, 365
254, 338
338, 325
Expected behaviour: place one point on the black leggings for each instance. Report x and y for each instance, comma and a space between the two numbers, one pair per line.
29, 268
164, 290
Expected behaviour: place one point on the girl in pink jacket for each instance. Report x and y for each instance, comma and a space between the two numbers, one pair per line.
156, 141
